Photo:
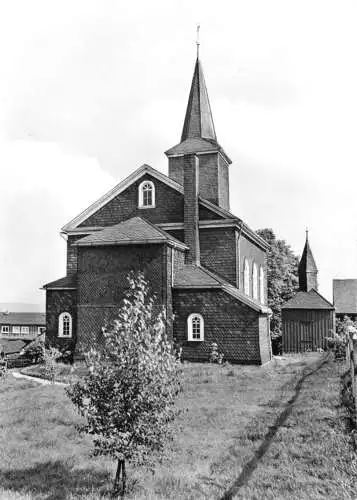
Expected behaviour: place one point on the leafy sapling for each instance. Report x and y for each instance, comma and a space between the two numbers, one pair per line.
128, 396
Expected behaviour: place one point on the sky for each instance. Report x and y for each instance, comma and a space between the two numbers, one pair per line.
92, 89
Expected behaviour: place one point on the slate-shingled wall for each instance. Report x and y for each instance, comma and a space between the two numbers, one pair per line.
235, 327
214, 177
218, 252
57, 302
102, 283
168, 206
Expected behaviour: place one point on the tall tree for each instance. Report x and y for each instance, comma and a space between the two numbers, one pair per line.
128, 396
283, 279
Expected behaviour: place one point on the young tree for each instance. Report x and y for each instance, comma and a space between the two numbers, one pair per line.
128, 396
283, 279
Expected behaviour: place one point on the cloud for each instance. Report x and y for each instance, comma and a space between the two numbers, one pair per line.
41, 188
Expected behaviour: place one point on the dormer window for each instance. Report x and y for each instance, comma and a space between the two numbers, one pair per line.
147, 195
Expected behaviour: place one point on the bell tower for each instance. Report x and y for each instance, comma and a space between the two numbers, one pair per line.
199, 138
307, 269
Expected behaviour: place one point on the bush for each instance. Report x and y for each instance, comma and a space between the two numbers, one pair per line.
215, 355
51, 355
35, 351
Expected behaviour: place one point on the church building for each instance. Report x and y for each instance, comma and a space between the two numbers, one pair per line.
307, 318
204, 265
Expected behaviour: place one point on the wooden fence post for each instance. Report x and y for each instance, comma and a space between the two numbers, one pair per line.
352, 342
354, 347
348, 352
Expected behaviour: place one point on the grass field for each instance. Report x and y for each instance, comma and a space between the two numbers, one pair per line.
276, 431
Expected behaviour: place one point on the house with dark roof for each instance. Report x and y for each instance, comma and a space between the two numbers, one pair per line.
21, 325
345, 298
18, 330
307, 318
204, 265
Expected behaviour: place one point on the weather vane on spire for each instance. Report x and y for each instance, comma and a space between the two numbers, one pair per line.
198, 39
307, 233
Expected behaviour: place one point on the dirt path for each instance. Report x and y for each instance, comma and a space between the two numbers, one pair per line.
252, 464
39, 380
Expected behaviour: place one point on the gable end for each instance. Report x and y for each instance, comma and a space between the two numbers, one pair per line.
122, 202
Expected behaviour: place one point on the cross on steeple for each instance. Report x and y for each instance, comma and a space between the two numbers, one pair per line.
198, 40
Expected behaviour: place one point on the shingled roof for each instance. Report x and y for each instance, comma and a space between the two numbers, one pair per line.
198, 277
191, 276
308, 300
307, 269
198, 133
66, 283
198, 119
25, 319
345, 296
134, 231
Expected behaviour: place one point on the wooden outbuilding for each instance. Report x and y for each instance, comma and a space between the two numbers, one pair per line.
308, 318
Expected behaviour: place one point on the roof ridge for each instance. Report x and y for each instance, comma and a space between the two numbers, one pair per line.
129, 231
302, 300
321, 296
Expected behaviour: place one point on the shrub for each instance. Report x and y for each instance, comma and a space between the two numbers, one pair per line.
51, 355
35, 350
215, 355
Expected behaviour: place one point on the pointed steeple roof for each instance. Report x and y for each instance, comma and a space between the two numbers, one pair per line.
198, 120
198, 133
307, 268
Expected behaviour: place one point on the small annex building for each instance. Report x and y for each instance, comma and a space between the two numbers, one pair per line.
19, 329
204, 265
22, 324
307, 318
345, 298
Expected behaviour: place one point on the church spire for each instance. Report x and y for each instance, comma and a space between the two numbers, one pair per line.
198, 120
307, 268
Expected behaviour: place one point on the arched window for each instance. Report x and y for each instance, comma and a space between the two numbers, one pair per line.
246, 277
147, 195
255, 281
261, 285
65, 325
195, 327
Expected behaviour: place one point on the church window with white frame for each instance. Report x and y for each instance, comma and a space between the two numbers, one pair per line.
147, 195
255, 281
195, 327
246, 277
65, 325
261, 285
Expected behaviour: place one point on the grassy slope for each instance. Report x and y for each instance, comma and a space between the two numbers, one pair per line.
239, 438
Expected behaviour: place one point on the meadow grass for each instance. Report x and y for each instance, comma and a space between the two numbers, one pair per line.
276, 431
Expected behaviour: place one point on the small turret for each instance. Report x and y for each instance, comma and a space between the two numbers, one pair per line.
307, 269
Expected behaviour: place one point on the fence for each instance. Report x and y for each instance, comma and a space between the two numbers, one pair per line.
19, 362
351, 362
